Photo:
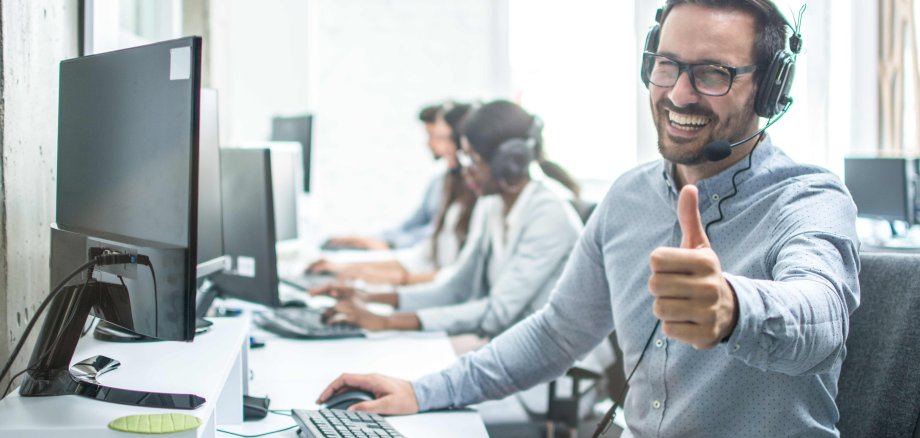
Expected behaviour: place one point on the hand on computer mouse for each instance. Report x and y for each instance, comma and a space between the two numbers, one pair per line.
394, 396
339, 291
357, 242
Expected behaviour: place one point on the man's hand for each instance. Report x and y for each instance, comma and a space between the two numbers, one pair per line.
394, 396
323, 266
354, 311
340, 292
692, 298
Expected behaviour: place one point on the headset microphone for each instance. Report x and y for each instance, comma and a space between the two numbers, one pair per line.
719, 150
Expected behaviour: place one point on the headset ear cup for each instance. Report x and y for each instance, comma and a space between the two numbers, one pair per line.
511, 160
651, 46
775, 85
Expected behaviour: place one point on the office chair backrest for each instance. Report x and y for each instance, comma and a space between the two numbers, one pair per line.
879, 389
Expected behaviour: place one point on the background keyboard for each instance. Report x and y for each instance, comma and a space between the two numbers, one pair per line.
304, 323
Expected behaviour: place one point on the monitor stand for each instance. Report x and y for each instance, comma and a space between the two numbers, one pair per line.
49, 373
108, 332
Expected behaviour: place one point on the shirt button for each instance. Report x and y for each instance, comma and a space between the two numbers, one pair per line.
736, 347
659, 343
715, 197
656, 404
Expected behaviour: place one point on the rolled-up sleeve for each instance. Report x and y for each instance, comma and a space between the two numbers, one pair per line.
797, 322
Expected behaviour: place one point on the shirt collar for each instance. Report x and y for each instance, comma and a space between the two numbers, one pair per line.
516, 214
720, 184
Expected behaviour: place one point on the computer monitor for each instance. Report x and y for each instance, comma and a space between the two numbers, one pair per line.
882, 188
249, 223
127, 183
299, 129
211, 257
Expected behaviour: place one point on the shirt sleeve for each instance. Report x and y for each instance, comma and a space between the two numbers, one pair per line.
537, 260
420, 224
540, 348
797, 322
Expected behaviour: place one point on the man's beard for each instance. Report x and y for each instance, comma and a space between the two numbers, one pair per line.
693, 152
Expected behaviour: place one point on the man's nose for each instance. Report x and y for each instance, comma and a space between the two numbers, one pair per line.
682, 93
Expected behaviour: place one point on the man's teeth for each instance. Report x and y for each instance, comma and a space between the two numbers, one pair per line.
688, 121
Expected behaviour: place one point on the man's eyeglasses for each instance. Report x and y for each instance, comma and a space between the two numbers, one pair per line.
707, 79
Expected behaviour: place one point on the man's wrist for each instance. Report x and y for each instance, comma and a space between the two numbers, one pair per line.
735, 312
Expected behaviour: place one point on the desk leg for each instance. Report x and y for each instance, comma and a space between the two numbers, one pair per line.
230, 404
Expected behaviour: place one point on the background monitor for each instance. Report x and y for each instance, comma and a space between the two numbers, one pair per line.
299, 129
210, 216
249, 226
882, 188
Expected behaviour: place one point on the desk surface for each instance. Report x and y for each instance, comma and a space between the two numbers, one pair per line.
200, 367
293, 373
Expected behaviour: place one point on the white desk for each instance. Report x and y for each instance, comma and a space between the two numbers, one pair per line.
293, 373
211, 366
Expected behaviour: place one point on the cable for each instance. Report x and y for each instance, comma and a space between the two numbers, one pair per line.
604, 425
98, 260
281, 412
41, 308
254, 436
13, 379
735, 184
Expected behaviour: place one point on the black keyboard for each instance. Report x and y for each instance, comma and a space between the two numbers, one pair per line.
306, 281
338, 423
304, 323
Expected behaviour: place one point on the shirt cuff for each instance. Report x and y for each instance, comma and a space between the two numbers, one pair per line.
435, 319
744, 342
432, 392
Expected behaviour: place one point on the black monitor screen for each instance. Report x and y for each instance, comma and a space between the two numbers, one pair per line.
880, 187
125, 130
128, 181
249, 226
299, 129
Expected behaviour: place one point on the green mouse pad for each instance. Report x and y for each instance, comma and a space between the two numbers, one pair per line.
155, 423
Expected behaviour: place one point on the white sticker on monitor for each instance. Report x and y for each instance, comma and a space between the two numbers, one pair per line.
180, 63
246, 266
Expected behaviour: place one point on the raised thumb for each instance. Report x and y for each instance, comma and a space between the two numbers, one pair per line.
688, 214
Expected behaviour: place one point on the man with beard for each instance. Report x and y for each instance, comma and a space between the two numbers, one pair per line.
729, 283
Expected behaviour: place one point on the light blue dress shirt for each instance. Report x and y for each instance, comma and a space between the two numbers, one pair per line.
788, 247
420, 224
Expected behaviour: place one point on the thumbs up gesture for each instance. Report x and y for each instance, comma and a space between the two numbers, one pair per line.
694, 302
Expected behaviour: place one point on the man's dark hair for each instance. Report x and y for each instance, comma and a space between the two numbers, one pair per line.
429, 113
770, 25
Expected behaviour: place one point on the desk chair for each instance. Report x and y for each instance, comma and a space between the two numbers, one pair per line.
879, 388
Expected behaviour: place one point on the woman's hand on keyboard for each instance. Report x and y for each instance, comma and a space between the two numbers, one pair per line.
393, 396
340, 292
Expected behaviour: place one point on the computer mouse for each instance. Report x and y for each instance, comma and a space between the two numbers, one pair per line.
294, 304
348, 398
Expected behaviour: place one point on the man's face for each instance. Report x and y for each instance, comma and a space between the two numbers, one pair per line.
686, 120
439, 138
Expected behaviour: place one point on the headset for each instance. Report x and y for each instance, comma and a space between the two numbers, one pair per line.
513, 157
775, 85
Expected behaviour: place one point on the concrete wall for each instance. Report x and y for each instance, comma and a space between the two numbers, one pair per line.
36, 36
364, 67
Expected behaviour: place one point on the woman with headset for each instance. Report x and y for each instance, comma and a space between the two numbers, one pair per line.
520, 237
421, 262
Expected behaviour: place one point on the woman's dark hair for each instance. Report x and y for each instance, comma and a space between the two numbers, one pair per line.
455, 189
499, 121
770, 25
429, 113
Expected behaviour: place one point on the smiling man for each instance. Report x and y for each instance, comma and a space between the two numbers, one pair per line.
729, 282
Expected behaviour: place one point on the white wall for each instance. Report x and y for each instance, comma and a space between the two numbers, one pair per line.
36, 35
365, 68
